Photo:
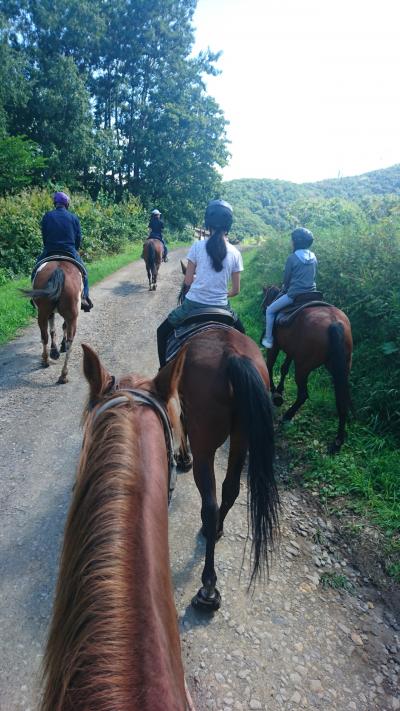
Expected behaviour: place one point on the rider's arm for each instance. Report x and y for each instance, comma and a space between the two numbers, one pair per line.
235, 285
78, 234
190, 272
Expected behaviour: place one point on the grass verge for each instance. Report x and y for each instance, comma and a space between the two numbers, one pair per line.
16, 311
362, 483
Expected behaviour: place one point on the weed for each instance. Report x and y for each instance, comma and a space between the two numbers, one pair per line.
337, 581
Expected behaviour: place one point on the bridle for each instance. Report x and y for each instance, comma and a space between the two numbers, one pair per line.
125, 396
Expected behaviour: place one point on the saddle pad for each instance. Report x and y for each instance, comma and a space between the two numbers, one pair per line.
289, 313
183, 333
61, 258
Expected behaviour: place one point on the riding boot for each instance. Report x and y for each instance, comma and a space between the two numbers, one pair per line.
86, 304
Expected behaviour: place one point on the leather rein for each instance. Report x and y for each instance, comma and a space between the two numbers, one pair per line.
125, 396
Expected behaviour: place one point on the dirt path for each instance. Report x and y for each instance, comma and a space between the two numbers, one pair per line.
291, 645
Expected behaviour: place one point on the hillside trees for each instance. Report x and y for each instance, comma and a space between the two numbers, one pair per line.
115, 100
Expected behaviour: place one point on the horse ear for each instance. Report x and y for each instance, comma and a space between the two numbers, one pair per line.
95, 373
183, 267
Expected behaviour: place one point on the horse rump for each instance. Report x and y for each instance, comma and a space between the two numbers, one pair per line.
52, 289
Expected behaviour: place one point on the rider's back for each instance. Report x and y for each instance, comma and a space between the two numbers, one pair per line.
61, 231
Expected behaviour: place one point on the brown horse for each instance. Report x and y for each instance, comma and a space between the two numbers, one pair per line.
57, 287
223, 386
114, 639
152, 254
319, 335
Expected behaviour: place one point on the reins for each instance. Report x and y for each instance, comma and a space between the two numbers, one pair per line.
143, 397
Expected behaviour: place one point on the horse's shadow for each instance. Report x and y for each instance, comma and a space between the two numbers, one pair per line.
127, 288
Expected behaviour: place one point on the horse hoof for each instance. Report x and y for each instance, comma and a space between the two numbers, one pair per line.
277, 399
45, 364
205, 603
62, 347
184, 465
220, 534
62, 380
54, 354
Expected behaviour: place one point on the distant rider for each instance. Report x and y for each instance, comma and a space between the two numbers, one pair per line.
298, 278
156, 227
214, 262
61, 233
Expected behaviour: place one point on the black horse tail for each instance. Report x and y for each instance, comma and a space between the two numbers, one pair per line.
51, 291
254, 410
338, 367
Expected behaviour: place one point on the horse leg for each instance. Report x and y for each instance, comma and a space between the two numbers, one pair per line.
208, 597
63, 347
43, 322
184, 460
54, 352
71, 331
278, 394
149, 276
301, 378
272, 355
231, 486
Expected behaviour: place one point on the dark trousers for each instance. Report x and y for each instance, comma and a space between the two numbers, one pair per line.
76, 256
166, 328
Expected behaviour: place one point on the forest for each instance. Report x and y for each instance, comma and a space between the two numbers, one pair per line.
107, 98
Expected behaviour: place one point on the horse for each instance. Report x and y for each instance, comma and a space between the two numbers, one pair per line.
223, 387
57, 287
114, 640
319, 335
152, 254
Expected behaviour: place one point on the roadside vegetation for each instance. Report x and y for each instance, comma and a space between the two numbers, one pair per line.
362, 483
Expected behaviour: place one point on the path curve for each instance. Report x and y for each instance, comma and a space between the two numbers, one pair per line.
291, 645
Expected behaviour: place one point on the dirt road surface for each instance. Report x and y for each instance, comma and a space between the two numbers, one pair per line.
292, 645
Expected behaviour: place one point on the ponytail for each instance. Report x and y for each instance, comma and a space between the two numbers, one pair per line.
216, 249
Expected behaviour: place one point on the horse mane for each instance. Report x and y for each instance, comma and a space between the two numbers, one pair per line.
93, 604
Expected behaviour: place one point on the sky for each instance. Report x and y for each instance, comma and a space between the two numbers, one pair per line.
311, 88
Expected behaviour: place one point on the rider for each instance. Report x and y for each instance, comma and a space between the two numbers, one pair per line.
298, 278
215, 263
156, 227
61, 233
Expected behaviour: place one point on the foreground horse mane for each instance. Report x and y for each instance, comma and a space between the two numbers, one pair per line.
95, 620
103, 604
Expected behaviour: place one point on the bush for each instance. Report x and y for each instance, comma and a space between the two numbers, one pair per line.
106, 227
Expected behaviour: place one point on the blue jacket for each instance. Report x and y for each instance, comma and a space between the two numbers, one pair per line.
61, 231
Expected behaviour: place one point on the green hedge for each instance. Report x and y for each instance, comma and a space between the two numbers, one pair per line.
106, 228
358, 272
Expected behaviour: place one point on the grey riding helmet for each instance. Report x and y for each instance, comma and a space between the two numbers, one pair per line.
302, 238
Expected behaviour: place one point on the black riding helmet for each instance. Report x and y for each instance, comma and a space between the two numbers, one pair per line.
218, 215
302, 238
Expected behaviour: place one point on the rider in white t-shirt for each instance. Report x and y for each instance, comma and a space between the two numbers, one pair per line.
214, 262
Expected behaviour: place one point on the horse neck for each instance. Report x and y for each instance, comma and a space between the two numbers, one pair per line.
114, 641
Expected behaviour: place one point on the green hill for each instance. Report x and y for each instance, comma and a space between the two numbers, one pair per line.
264, 204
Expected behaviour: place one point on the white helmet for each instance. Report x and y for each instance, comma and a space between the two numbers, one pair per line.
156, 212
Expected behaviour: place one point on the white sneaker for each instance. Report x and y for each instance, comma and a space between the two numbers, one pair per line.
267, 342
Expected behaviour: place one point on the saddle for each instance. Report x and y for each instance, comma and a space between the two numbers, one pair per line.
201, 320
301, 302
61, 258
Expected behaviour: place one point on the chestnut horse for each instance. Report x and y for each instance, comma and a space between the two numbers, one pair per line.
152, 254
319, 335
223, 386
114, 639
57, 287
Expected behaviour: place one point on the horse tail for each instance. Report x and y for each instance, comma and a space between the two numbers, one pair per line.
254, 409
338, 367
52, 290
151, 256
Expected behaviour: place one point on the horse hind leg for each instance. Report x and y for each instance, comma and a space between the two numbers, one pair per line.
64, 339
71, 332
231, 486
208, 597
43, 322
277, 395
54, 352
